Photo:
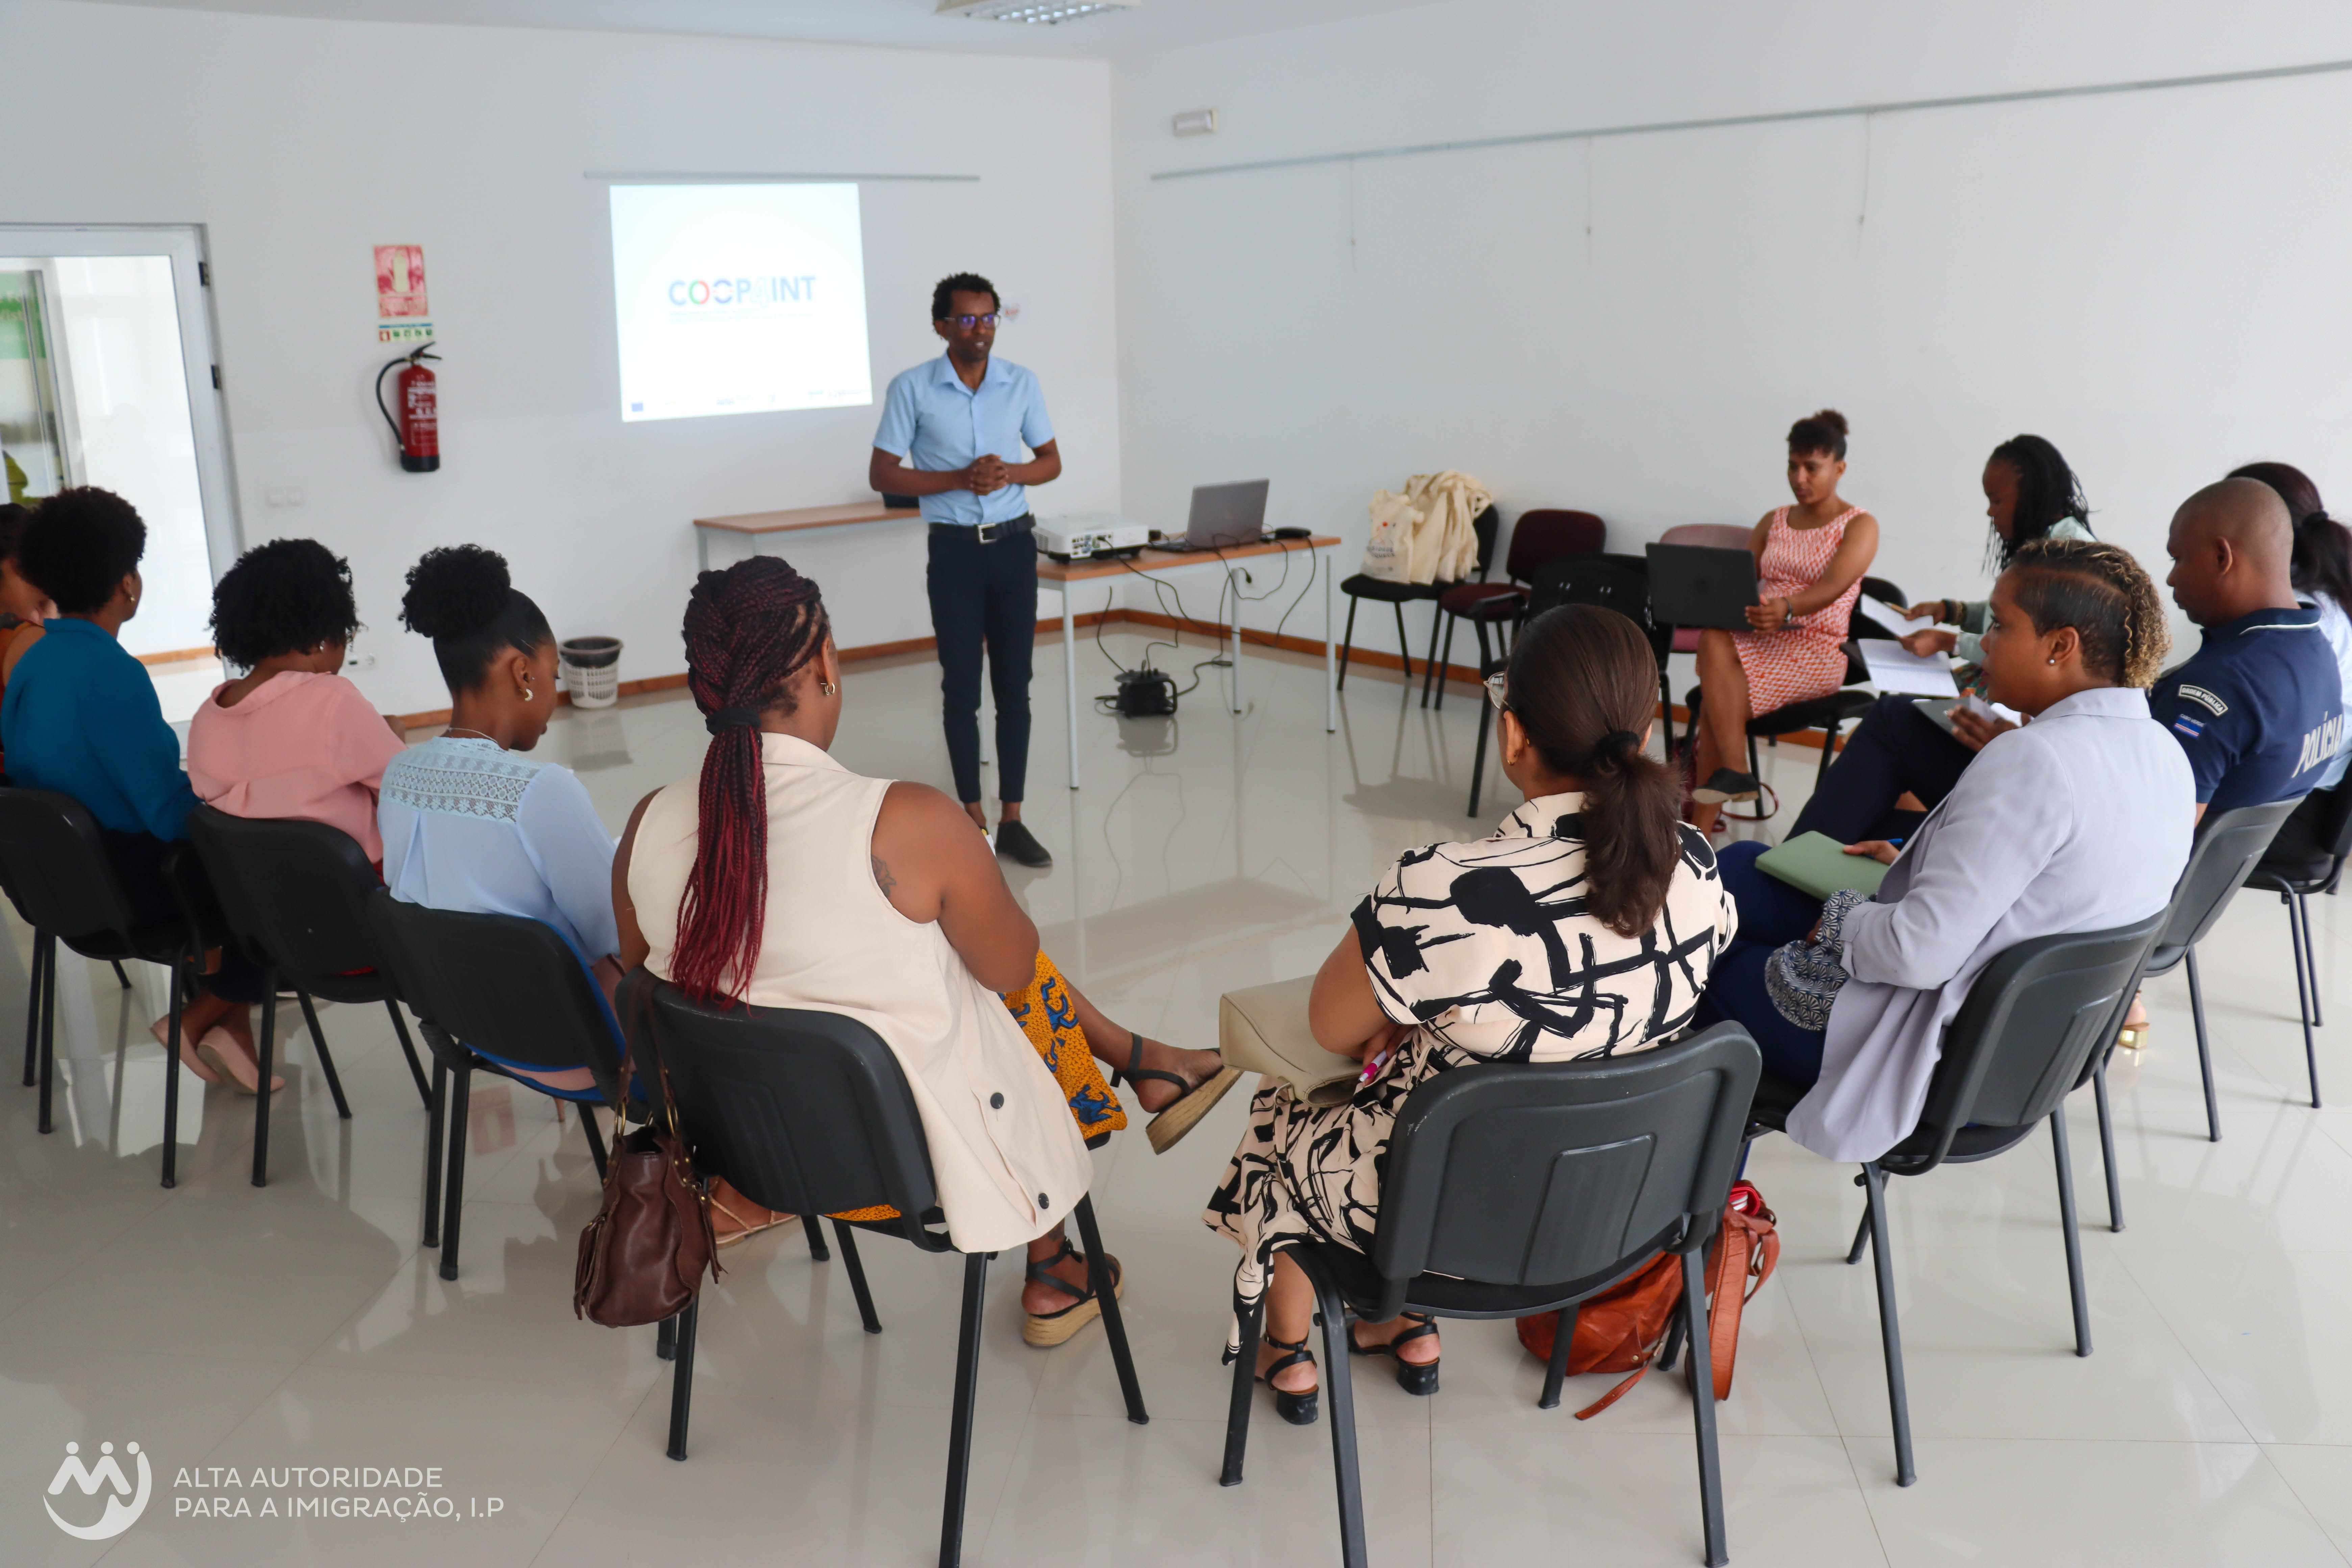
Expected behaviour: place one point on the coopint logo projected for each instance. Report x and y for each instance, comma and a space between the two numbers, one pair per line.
739, 300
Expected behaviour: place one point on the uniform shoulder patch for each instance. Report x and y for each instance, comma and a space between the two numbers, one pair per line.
2197, 694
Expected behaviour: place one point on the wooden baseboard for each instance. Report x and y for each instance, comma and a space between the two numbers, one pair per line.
177, 655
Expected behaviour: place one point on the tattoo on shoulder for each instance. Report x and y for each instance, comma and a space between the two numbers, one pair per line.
882, 878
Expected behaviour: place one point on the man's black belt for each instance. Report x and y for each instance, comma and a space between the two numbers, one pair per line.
986, 533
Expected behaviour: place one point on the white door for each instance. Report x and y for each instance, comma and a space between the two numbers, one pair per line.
108, 377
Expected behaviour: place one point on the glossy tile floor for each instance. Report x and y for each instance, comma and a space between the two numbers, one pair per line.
224, 1327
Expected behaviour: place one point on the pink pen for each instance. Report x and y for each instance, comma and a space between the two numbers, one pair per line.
1372, 1066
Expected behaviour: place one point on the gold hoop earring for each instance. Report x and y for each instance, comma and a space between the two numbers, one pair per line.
827, 688
529, 695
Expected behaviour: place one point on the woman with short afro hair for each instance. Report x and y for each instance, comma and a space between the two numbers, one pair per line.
291, 737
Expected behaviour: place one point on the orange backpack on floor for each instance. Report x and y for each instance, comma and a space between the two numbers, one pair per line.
1624, 1327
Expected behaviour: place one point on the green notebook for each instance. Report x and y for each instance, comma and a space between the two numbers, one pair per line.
1817, 864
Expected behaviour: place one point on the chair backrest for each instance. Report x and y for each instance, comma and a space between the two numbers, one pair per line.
1715, 535
2228, 844
295, 892
507, 986
1867, 625
1510, 1173
2336, 827
1592, 580
1546, 535
1486, 525
807, 1113
2025, 1036
55, 869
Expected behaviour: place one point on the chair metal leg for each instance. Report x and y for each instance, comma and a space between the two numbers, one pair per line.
1099, 1281
263, 1051
1346, 643
1444, 661
326, 1058
172, 1080
1340, 1396
815, 1232
48, 1034
1702, 1386
2067, 1223
435, 1111
2307, 986
2204, 1051
967, 1392
33, 1010
1237, 1411
2311, 962
665, 1340
1556, 1370
855, 1269
1829, 749
681, 1381
1673, 1346
408, 1050
1898, 1399
595, 1137
1404, 644
2107, 1147
1861, 1236
452, 1198
1429, 667
120, 977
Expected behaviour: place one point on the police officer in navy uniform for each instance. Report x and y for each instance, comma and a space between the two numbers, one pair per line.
952, 431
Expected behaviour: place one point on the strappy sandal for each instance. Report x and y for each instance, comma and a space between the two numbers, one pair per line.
1182, 1113
1414, 1377
748, 1230
1299, 1409
1047, 1330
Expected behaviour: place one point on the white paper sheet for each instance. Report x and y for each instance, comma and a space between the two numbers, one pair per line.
1891, 668
1892, 617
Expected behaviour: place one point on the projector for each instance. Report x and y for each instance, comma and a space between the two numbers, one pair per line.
1083, 538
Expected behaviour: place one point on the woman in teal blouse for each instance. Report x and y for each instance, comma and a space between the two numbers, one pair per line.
79, 715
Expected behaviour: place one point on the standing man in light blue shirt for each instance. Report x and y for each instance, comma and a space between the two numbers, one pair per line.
952, 432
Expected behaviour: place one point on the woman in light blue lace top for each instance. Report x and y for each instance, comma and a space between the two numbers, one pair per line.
471, 824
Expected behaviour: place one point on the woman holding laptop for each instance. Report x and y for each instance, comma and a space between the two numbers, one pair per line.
1810, 560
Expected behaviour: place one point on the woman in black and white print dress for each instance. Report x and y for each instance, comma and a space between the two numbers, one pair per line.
1585, 925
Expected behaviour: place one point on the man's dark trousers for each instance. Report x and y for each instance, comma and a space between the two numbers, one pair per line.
984, 596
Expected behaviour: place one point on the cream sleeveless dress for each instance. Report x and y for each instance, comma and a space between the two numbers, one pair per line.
1008, 1160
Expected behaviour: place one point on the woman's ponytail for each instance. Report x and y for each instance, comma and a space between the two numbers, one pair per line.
1583, 684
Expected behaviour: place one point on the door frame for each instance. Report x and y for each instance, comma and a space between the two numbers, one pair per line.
184, 246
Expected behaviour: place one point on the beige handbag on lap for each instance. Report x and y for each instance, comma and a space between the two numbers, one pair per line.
1264, 1030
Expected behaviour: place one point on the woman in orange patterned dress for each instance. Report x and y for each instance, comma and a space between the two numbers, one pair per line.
1810, 559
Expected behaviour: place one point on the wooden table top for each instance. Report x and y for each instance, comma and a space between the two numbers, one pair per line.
809, 517
1151, 560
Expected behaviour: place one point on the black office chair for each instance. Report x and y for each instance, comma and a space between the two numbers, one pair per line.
2296, 871
1397, 595
296, 896
2033, 1022
1540, 537
54, 867
1512, 1190
1829, 713
808, 1112
1607, 581
507, 986
2229, 846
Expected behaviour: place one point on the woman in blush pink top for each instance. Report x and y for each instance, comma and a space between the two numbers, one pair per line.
291, 737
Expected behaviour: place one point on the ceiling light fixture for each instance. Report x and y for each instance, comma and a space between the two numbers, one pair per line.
1048, 12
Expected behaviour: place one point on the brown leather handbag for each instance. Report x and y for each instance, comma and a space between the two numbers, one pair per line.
643, 1257
1624, 1327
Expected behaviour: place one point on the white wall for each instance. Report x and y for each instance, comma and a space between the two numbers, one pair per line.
300, 145
2154, 281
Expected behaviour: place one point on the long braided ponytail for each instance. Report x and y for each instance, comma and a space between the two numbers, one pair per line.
749, 630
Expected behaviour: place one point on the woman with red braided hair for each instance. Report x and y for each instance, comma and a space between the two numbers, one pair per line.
779, 878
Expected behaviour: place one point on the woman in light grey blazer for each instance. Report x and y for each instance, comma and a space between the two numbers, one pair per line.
2079, 821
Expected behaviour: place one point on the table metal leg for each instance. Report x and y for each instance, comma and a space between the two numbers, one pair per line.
1233, 584
1070, 679
1330, 663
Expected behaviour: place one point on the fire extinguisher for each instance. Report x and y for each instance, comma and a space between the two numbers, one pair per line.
418, 428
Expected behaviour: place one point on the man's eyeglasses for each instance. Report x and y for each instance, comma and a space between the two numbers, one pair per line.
966, 323
1496, 691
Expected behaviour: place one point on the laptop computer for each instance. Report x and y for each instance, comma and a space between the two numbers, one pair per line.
1701, 585
1223, 516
